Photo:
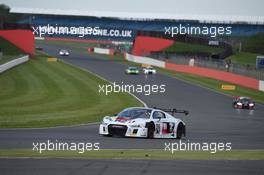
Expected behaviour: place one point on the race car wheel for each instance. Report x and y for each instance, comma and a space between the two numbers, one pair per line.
151, 130
180, 131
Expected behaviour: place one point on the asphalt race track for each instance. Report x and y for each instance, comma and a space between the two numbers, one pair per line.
133, 167
211, 119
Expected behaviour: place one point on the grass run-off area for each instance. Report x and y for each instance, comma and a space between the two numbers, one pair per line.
245, 58
215, 85
9, 51
44, 94
181, 47
251, 46
141, 154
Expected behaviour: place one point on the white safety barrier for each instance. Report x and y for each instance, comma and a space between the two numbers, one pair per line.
13, 63
145, 60
261, 85
102, 51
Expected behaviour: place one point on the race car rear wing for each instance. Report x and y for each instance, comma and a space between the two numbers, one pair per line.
173, 111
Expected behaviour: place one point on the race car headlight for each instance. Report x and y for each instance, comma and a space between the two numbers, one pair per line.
103, 123
239, 103
251, 104
134, 126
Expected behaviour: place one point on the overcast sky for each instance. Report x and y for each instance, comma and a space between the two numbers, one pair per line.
196, 7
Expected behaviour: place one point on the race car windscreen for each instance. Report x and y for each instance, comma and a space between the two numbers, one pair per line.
246, 100
135, 113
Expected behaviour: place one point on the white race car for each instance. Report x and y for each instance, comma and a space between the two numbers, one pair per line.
64, 52
149, 70
144, 122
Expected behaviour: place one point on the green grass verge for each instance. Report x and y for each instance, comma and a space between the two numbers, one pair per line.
252, 46
141, 154
9, 51
44, 94
215, 85
180, 47
254, 43
244, 58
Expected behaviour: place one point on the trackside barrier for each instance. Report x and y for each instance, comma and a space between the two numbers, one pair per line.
205, 72
261, 85
102, 51
13, 63
145, 60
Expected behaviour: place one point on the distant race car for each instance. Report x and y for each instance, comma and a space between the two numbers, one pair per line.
39, 48
64, 52
144, 122
243, 103
149, 70
132, 70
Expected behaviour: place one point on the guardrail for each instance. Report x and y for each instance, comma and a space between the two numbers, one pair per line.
103, 51
13, 63
145, 60
241, 69
261, 85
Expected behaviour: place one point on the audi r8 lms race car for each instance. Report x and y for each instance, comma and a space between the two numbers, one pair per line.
243, 103
149, 70
64, 52
144, 122
132, 70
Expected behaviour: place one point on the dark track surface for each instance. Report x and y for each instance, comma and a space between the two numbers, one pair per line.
133, 167
211, 118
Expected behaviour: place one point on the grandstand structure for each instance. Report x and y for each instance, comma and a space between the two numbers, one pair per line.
130, 26
134, 25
